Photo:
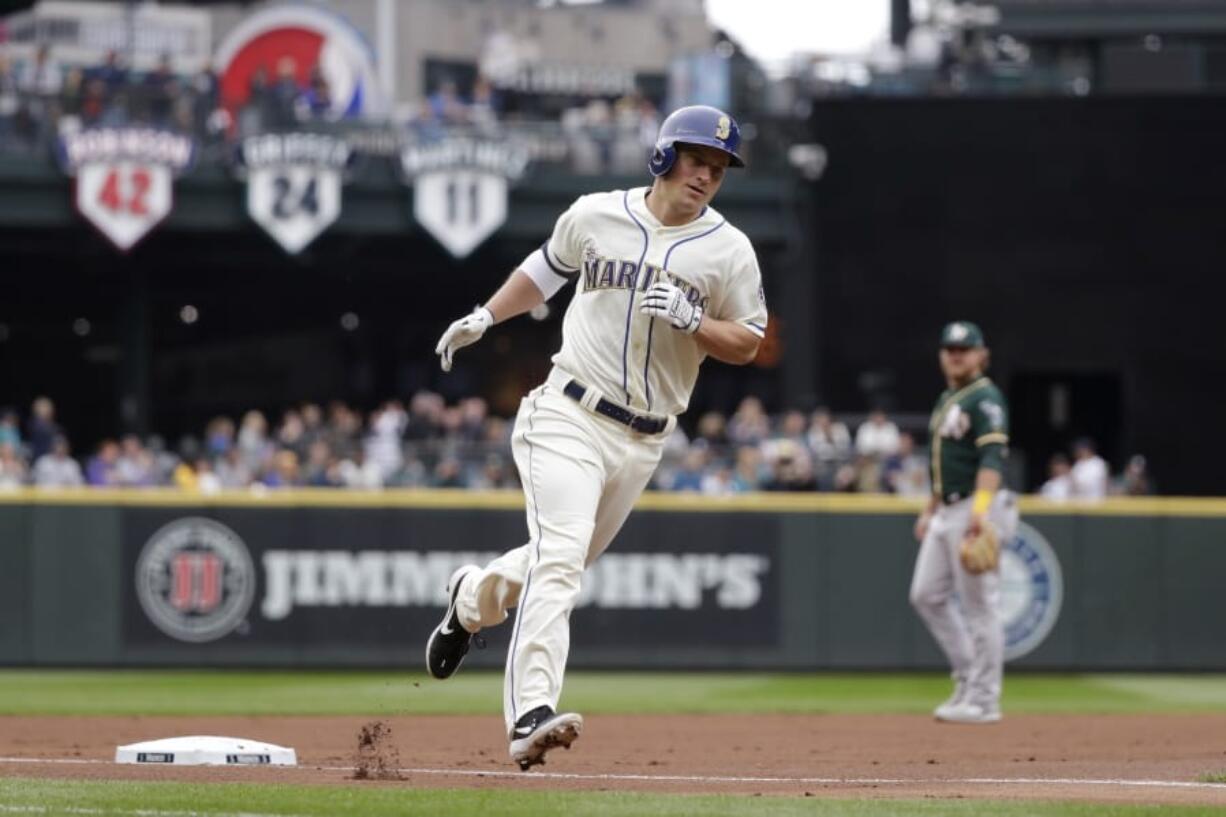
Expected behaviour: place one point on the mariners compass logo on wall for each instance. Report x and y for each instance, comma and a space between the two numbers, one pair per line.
1031, 590
195, 580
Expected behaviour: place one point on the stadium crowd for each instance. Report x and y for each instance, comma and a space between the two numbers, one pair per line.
429, 444
39, 96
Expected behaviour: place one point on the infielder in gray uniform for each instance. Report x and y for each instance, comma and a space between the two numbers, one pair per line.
969, 438
663, 281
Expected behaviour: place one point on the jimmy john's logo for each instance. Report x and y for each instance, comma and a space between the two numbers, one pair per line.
298, 579
195, 580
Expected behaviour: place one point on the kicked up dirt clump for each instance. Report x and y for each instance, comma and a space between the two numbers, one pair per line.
376, 757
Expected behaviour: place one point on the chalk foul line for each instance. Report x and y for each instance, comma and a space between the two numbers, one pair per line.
710, 779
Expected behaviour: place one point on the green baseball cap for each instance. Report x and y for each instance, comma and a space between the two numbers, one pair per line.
962, 333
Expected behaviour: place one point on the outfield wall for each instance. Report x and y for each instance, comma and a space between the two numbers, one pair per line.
771, 581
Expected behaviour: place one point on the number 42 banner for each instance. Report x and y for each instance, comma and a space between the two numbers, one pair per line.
124, 177
294, 184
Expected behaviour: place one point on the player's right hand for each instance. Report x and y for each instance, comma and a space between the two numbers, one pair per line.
921, 526
464, 332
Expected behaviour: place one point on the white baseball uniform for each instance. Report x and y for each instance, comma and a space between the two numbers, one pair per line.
582, 471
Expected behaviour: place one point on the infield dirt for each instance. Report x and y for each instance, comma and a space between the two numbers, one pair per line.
846, 756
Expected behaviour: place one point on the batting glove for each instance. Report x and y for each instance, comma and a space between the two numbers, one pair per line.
464, 332
667, 302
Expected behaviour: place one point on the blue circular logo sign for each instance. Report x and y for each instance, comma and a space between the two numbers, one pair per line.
1031, 590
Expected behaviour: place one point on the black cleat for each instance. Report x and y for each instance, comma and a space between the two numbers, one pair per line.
448, 643
541, 730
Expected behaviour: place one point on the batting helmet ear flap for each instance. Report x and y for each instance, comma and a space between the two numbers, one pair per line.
662, 159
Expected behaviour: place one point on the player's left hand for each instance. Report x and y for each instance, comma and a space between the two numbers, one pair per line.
667, 302
979, 551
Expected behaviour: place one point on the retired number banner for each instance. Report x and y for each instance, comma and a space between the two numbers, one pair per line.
294, 184
125, 178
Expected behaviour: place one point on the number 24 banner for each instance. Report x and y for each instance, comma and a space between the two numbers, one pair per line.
294, 184
124, 178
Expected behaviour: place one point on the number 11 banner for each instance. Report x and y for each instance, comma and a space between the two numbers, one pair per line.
460, 187
124, 177
294, 184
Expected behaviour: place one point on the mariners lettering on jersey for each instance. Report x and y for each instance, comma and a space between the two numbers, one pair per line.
611, 273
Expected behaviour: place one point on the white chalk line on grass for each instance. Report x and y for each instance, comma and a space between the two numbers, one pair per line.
683, 778
136, 812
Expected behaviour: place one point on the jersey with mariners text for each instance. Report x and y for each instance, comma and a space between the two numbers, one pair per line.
614, 249
966, 424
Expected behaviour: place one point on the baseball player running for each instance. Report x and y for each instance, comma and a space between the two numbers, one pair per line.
961, 528
663, 281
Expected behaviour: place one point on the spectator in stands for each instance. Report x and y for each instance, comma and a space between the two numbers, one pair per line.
232, 469
318, 95
10, 432
449, 473
253, 443
13, 472
483, 112
313, 429
712, 428
10, 102
112, 72
360, 473
163, 462
877, 437
790, 469
473, 413
219, 437
749, 425
387, 424
100, 470
42, 429
93, 102
344, 431
286, 94
258, 112
747, 475
425, 416
1059, 484
282, 471
161, 89
1135, 479
291, 433
689, 476
206, 479
134, 466
38, 85
208, 118
790, 441
445, 107
829, 441
905, 472
1089, 473
56, 468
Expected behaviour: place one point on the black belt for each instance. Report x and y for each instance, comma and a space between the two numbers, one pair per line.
644, 425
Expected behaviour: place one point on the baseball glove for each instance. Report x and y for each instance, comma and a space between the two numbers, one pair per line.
980, 553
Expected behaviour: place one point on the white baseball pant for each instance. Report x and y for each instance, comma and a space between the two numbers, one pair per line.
582, 473
969, 630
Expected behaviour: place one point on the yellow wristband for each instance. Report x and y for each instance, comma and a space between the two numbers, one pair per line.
982, 500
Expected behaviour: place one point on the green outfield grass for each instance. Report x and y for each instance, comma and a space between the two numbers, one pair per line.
220, 692
181, 799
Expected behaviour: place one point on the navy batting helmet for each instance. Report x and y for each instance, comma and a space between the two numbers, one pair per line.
695, 125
